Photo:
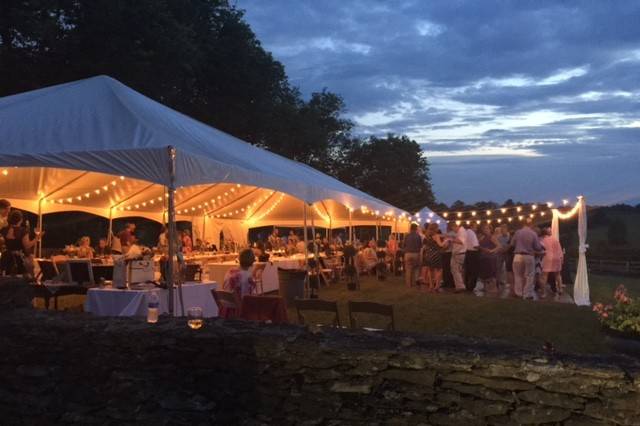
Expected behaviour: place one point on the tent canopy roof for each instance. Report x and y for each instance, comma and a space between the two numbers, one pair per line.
101, 138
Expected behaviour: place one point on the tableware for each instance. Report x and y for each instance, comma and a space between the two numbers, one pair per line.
194, 316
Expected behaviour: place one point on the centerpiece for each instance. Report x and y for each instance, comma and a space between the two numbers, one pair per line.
621, 321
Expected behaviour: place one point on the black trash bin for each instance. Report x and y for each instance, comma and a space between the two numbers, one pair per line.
291, 284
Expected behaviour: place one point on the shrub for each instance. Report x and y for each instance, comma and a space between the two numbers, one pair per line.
623, 316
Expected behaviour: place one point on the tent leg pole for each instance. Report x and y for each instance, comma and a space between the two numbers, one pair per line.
171, 213
39, 247
313, 237
306, 244
204, 223
350, 228
110, 231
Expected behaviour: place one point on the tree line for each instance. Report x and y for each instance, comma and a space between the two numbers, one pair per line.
201, 58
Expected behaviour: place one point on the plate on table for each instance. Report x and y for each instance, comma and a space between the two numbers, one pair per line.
143, 286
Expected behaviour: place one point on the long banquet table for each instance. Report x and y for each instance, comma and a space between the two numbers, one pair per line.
124, 303
217, 270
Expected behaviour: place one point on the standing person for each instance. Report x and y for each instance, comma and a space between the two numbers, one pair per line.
471, 258
187, 242
432, 257
551, 262
17, 253
5, 208
526, 245
392, 250
127, 237
163, 240
447, 278
458, 254
412, 247
487, 264
501, 235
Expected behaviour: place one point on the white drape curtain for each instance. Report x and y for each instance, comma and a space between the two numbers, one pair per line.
555, 226
581, 285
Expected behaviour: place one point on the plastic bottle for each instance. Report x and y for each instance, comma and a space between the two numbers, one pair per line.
153, 308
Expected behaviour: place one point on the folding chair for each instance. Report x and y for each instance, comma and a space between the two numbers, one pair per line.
317, 306
48, 270
371, 308
258, 270
228, 305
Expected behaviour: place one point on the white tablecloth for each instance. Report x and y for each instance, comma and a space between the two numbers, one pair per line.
126, 303
217, 271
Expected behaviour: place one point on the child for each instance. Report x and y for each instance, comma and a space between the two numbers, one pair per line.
239, 281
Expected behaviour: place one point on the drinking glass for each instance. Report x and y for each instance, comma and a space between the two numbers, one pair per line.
194, 317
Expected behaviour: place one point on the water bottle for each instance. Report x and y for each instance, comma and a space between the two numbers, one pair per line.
153, 308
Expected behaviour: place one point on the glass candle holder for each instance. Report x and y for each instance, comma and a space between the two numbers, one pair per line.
194, 318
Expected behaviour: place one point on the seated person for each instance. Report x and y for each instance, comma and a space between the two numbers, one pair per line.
291, 247
367, 259
300, 246
260, 252
85, 251
240, 281
103, 249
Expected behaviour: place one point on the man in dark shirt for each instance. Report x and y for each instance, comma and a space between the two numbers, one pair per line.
412, 247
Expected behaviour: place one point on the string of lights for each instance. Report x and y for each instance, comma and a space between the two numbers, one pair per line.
79, 197
499, 210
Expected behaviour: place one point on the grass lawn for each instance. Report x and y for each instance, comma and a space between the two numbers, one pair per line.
528, 324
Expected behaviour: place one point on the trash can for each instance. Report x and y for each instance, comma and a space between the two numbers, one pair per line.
291, 284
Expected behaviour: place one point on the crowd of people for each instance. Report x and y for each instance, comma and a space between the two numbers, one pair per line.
17, 243
526, 263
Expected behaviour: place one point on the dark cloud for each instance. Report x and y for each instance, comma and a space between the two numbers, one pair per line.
560, 80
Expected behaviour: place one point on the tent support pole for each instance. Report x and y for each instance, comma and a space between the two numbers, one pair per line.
39, 229
350, 227
377, 229
110, 233
171, 207
204, 223
306, 244
313, 236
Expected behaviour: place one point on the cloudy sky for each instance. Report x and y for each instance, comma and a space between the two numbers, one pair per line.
529, 100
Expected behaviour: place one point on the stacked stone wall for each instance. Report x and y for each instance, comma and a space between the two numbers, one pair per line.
75, 368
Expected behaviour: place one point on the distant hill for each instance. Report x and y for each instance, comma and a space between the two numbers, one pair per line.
613, 233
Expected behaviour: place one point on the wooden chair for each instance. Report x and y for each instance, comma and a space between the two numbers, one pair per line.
228, 305
371, 308
258, 270
318, 306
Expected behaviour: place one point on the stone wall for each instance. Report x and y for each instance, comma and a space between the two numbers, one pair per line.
74, 368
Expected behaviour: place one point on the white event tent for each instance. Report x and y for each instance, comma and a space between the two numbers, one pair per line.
97, 146
426, 215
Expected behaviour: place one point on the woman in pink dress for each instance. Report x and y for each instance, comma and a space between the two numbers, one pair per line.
552, 261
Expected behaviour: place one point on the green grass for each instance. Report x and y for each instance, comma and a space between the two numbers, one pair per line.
527, 324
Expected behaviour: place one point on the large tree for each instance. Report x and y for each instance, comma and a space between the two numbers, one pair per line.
201, 58
392, 168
